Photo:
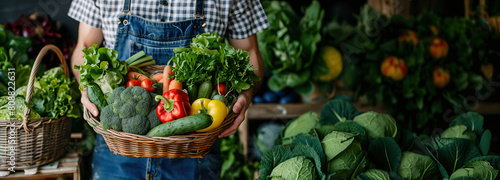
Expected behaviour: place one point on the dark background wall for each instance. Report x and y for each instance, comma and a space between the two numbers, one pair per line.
10, 10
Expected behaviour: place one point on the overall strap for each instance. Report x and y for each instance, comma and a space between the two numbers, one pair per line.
126, 6
199, 8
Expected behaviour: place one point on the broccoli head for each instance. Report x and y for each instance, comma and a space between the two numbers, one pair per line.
130, 109
115, 95
138, 124
153, 119
110, 120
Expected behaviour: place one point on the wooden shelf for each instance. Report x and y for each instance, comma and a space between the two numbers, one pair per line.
289, 111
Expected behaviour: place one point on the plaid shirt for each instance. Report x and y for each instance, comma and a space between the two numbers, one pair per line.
236, 19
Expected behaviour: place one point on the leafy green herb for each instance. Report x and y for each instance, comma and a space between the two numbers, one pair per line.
288, 50
210, 59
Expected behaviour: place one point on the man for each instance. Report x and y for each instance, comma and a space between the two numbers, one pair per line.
158, 26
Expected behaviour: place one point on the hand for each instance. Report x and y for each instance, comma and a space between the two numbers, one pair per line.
89, 105
241, 105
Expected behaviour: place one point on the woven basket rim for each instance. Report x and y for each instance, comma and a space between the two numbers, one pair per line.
95, 124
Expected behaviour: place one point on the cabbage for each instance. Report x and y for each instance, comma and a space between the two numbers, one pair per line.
476, 170
416, 166
377, 124
303, 124
375, 174
298, 167
346, 162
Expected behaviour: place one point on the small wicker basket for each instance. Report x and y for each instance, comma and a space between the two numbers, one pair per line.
35, 142
179, 146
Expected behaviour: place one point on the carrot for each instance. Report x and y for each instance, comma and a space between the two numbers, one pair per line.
174, 84
167, 76
157, 77
136, 75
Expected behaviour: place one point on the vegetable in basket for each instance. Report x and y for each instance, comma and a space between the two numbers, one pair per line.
101, 66
129, 110
174, 104
215, 108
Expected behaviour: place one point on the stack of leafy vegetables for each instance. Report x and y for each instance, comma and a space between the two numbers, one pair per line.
54, 95
13, 54
436, 62
343, 143
289, 49
102, 67
210, 59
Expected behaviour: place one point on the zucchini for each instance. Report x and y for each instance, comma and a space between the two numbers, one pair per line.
183, 125
205, 90
96, 96
214, 92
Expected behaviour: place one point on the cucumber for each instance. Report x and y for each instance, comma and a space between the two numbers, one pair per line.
205, 90
96, 96
183, 125
220, 98
192, 93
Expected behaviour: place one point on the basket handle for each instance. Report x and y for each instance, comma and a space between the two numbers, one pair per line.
31, 82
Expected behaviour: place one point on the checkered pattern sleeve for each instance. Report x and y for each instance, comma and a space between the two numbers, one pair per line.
86, 11
246, 18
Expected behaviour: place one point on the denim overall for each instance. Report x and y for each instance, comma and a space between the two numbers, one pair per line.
158, 40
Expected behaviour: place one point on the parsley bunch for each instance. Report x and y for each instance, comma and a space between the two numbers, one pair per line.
210, 59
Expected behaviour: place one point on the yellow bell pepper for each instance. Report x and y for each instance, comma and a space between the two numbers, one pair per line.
215, 108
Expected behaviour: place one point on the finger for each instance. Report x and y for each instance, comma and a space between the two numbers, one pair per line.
234, 127
240, 103
89, 105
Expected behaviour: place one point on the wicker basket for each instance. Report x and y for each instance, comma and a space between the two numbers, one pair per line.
179, 146
35, 142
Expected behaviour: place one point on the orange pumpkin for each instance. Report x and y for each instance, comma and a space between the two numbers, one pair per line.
441, 77
394, 68
408, 36
438, 48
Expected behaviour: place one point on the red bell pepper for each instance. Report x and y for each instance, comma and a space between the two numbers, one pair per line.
174, 104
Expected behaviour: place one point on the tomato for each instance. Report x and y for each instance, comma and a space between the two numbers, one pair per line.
394, 68
408, 36
133, 82
441, 77
148, 85
221, 88
438, 48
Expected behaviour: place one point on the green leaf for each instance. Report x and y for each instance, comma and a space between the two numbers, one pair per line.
302, 124
305, 89
309, 141
300, 149
456, 131
494, 160
472, 120
346, 162
416, 166
298, 167
336, 142
453, 153
385, 152
484, 144
276, 155
373, 174
336, 110
275, 83
377, 124
477, 169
